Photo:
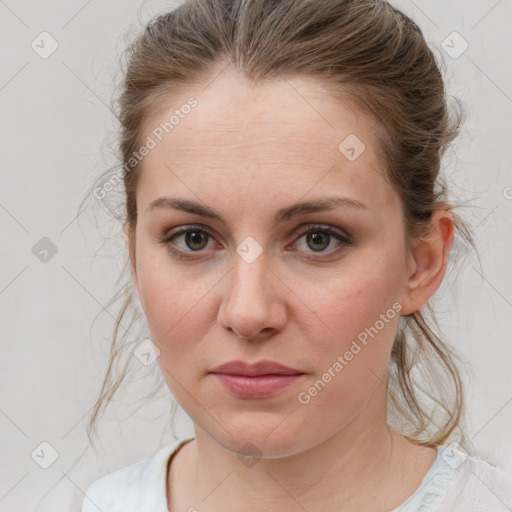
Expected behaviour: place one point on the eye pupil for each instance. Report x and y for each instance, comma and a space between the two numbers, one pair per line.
196, 237
317, 238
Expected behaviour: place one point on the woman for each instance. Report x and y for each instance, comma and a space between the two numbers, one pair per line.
286, 229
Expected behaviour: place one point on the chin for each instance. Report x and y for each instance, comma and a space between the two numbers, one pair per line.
259, 439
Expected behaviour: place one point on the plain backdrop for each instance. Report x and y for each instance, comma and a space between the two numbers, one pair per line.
58, 271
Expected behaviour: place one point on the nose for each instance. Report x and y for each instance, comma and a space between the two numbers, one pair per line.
253, 298
240, 336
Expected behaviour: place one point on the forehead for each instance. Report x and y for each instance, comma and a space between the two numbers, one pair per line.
279, 139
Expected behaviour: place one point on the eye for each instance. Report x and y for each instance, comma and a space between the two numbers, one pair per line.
318, 238
195, 240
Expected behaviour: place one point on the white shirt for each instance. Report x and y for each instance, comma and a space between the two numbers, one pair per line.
456, 482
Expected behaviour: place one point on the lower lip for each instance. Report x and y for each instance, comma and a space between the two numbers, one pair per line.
261, 386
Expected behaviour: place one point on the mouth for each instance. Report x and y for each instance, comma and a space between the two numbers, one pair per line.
264, 367
260, 386
258, 380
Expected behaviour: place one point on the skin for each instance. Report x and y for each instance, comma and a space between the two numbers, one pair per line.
246, 152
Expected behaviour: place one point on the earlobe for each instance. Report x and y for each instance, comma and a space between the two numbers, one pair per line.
429, 260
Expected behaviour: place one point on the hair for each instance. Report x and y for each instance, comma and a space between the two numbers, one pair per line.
365, 51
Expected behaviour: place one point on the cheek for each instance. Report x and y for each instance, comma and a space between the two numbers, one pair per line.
175, 303
177, 323
351, 361
354, 300
354, 324
171, 305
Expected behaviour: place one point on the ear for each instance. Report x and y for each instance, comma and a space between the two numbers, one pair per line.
127, 240
134, 290
428, 261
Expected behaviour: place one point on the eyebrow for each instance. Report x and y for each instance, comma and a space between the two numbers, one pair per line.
284, 214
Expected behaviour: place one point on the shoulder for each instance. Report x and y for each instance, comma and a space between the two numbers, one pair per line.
116, 490
140, 486
476, 485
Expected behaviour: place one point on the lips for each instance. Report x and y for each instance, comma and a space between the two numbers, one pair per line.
264, 367
263, 379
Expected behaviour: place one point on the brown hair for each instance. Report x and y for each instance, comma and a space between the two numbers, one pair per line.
364, 50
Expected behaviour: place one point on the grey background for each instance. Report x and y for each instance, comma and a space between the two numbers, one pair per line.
55, 121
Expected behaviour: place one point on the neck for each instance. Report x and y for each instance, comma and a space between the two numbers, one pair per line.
357, 468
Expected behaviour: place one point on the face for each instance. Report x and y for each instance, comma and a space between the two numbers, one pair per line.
318, 291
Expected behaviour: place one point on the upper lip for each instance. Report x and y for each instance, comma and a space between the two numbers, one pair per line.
264, 367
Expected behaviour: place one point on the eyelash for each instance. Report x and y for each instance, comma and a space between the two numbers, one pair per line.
303, 230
